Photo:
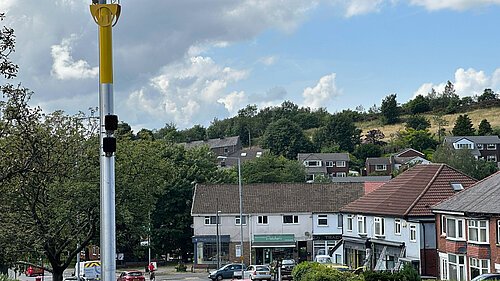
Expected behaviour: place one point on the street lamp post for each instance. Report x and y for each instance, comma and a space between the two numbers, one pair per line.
241, 207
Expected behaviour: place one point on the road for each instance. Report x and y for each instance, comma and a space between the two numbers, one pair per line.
161, 277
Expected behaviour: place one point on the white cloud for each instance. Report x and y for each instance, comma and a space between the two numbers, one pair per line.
65, 67
233, 101
467, 83
319, 95
459, 5
360, 7
268, 60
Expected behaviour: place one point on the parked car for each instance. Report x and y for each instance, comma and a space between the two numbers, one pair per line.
328, 262
286, 268
257, 272
225, 272
34, 271
487, 276
131, 275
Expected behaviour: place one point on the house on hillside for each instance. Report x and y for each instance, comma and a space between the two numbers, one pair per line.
331, 164
393, 224
386, 165
280, 220
482, 147
246, 154
469, 231
220, 146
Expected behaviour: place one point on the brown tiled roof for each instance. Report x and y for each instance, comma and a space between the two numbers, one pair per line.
412, 193
275, 197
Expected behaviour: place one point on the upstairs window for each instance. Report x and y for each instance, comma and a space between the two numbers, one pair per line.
397, 227
443, 225
237, 220
413, 233
478, 231
455, 228
329, 163
361, 225
340, 221
498, 231
350, 219
211, 220
313, 163
491, 146
289, 219
340, 164
465, 145
262, 220
380, 167
480, 146
379, 227
323, 220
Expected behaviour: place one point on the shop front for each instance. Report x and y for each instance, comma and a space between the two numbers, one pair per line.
205, 249
324, 245
354, 251
387, 252
269, 248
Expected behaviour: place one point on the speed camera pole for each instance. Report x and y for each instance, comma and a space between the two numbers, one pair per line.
106, 16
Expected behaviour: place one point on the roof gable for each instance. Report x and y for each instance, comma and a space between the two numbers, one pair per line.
323, 156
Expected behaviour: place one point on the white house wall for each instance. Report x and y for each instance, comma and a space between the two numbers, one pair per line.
331, 228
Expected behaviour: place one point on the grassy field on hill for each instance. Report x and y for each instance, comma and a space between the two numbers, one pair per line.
491, 114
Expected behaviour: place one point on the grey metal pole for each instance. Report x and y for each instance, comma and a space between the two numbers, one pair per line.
108, 234
78, 263
241, 216
217, 242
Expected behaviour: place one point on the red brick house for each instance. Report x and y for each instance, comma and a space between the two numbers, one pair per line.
386, 165
468, 227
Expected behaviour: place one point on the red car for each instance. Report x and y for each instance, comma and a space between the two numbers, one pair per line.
34, 271
131, 275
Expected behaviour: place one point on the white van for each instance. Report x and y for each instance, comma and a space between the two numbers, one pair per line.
89, 270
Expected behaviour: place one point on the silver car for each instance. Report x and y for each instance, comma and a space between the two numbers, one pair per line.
257, 272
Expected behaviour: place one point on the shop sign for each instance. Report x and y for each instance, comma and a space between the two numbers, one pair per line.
274, 238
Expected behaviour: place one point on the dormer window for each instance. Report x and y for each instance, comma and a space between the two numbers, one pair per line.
312, 163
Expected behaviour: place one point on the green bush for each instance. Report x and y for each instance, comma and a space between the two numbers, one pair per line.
181, 267
408, 273
313, 271
6, 278
302, 268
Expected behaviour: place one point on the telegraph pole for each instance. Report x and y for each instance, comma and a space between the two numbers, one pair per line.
106, 16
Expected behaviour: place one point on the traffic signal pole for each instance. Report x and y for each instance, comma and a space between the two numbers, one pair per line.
106, 16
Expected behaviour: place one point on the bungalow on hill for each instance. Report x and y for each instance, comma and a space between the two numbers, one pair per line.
331, 164
469, 231
393, 224
220, 146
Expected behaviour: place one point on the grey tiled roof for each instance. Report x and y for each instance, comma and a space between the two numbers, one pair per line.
323, 156
475, 139
244, 155
214, 143
378, 161
275, 197
362, 179
481, 198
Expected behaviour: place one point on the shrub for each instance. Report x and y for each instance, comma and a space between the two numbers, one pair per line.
302, 268
181, 267
313, 271
4, 277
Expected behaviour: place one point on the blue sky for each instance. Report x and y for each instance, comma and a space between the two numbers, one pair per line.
188, 62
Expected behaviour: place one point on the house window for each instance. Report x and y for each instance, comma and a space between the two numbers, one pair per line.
380, 167
259, 154
413, 233
288, 219
226, 150
455, 228
379, 226
329, 163
456, 267
444, 267
491, 158
465, 145
350, 219
262, 220
491, 146
340, 164
313, 163
478, 267
443, 225
340, 221
478, 231
340, 175
211, 220
397, 227
480, 146
361, 225
237, 220
243, 154
310, 178
322, 220
498, 231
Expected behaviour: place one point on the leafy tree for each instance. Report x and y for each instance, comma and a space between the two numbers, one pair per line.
417, 139
417, 122
7, 46
145, 134
484, 128
195, 133
375, 136
366, 150
322, 178
463, 126
286, 138
466, 101
487, 95
340, 129
271, 168
464, 161
168, 133
418, 105
390, 110
440, 122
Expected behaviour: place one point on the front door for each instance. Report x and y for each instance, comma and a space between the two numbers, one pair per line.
263, 255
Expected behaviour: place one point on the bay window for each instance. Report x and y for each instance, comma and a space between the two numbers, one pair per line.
455, 228
456, 267
478, 267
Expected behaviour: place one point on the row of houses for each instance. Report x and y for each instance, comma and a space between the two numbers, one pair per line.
443, 222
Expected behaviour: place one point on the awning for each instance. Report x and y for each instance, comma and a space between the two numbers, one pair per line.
276, 244
409, 259
354, 243
387, 243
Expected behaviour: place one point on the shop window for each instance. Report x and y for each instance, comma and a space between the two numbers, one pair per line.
478, 267
379, 226
478, 231
361, 225
262, 220
237, 220
413, 233
397, 227
289, 219
350, 219
209, 251
323, 220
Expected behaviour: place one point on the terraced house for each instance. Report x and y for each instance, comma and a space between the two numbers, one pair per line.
394, 224
469, 231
